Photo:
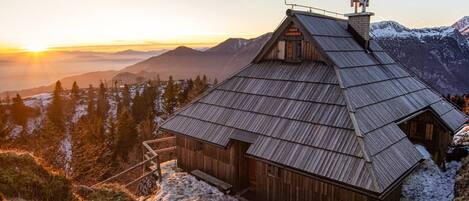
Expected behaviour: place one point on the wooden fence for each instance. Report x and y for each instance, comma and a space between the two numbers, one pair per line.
150, 165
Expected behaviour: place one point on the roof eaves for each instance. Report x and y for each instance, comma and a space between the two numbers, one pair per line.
203, 95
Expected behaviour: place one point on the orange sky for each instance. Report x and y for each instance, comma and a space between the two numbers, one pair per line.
154, 24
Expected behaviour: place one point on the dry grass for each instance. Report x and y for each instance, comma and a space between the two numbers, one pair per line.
23, 175
107, 192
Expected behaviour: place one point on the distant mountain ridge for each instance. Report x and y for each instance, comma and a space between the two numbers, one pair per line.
440, 55
216, 62
463, 26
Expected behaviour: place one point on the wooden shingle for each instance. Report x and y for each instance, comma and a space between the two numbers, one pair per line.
336, 119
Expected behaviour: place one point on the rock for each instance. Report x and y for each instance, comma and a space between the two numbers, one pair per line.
148, 185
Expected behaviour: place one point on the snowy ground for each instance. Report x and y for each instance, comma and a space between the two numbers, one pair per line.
182, 186
80, 111
428, 182
40, 102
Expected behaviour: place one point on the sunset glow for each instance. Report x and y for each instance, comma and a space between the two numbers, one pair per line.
179, 22
35, 48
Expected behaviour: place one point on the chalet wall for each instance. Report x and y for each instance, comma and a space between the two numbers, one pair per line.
426, 129
216, 161
276, 184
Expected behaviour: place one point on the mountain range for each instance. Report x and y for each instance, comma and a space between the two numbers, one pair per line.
440, 56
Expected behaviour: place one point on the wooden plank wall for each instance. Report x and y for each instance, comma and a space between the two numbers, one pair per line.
231, 166
291, 186
216, 161
419, 126
309, 53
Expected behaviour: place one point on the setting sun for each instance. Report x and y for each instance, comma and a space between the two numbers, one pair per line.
35, 48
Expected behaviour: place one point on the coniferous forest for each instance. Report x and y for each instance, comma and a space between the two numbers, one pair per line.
93, 132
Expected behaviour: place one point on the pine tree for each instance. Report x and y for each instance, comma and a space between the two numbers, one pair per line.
126, 99
3, 123
200, 85
149, 96
170, 99
102, 104
18, 111
75, 93
56, 109
127, 136
204, 83
138, 107
91, 104
184, 95
47, 144
91, 158
7, 99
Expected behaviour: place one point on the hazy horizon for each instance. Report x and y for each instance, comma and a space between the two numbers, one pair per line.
43, 41
151, 24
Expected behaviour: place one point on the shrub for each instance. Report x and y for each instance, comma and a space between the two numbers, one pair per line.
107, 192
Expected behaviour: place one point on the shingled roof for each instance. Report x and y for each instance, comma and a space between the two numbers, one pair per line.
334, 119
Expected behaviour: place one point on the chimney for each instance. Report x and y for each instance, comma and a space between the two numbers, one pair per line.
359, 22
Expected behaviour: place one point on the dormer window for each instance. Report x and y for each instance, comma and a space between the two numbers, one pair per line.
293, 44
293, 51
292, 47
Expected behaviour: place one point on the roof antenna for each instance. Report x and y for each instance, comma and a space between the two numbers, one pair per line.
360, 3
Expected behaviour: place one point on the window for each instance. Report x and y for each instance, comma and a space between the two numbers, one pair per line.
429, 132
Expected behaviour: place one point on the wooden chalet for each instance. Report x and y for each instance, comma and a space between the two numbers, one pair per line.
322, 113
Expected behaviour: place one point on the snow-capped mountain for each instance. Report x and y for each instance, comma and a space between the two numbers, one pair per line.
463, 26
440, 55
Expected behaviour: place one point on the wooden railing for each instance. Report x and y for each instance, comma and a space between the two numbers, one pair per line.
151, 156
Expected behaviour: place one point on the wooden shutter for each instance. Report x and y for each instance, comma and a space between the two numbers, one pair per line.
281, 50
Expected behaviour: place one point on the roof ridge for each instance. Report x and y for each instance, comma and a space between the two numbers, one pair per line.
273, 137
359, 136
358, 133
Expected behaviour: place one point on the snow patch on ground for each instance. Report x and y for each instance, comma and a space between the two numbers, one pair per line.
429, 183
426, 155
80, 111
182, 186
66, 148
38, 100
16, 131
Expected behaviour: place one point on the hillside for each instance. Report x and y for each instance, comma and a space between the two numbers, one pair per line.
93, 78
35, 180
439, 56
216, 62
